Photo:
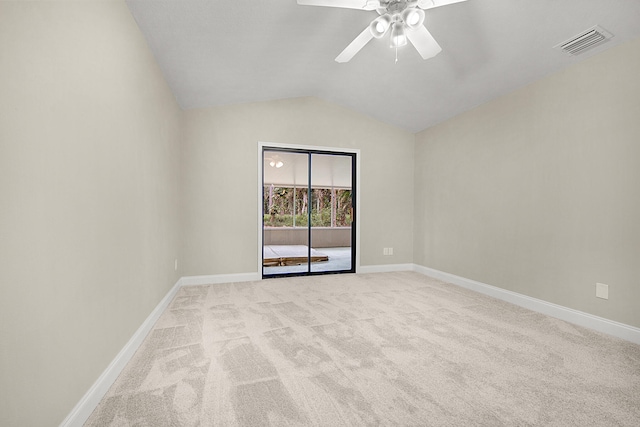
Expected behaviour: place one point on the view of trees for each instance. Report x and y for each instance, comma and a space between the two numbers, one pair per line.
288, 207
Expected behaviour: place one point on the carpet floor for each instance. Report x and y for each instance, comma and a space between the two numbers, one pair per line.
388, 349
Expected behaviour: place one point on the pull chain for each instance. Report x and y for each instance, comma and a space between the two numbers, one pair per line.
396, 54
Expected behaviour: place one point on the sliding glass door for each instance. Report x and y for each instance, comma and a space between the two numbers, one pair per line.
308, 212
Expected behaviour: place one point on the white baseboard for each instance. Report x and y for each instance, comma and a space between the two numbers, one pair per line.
219, 278
81, 412
580, 318
385, 268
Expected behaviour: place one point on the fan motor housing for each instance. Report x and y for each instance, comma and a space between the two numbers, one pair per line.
393, 7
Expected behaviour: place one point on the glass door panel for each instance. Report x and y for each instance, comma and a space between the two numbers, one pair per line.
285, 213
331, 212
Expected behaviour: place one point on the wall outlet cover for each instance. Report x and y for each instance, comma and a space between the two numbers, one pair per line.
602, 291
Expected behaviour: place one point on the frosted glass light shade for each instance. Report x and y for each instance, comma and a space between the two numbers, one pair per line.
413, 17
380, 25
398, 37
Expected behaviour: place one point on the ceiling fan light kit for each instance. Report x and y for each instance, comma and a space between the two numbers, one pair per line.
405, 18
275, 161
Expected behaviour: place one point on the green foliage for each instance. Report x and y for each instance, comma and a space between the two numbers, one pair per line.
280, 204
278, 220
318, 219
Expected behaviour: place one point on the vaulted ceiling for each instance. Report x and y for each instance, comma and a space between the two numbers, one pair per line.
216, 53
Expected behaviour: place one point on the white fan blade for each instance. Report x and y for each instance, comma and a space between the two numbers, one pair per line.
430, 4
424, 42
355, 46
348, 4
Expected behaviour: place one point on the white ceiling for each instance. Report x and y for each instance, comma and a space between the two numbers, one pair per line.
215, 52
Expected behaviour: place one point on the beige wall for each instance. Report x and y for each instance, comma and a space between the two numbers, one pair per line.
538, 192
89, 157
220, 179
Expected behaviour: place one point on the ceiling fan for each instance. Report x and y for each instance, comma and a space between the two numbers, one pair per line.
403, 17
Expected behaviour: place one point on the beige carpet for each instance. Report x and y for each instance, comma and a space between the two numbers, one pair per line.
392, 349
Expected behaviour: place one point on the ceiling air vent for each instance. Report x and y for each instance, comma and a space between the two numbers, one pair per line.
588, 39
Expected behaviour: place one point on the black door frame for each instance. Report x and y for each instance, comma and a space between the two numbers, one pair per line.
310, 151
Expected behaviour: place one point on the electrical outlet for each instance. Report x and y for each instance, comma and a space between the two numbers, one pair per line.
175, 264
385, 251
390, 251
602, 291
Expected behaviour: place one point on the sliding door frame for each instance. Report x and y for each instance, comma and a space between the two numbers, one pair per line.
312, 150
